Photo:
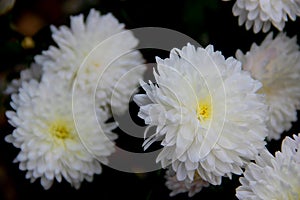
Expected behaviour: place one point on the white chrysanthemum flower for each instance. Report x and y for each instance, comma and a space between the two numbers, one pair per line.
273, 177
176, 187
33, 72
96, 52
261, 13
51, 147
207, 111
276, 63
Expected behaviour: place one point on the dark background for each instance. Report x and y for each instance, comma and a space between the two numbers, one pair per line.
206, 21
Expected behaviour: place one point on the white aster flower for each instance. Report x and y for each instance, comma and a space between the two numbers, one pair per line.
33, 72
273, 177
96, 52
45, 132
206, 111
176, 187
276, 63
262, 13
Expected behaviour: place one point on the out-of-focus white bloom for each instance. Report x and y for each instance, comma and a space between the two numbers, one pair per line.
176, 187
33, 72
6, 5
273, 177
50, 146
262, 13
276, 63
207, 112
96, 53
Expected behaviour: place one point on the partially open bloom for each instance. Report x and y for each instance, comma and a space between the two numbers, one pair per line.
276, 63
45, 131
261, 14
191, 187
207, 112
273, 177
96, 53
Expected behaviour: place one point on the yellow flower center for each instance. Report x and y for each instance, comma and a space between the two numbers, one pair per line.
204, 111
265, 89
60, 130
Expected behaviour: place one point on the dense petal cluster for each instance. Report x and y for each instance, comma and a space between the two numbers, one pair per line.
96, 53
60, 122
273, 177
276, 63
47, 135
191, 187
33, 72
207, 112
261, 14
